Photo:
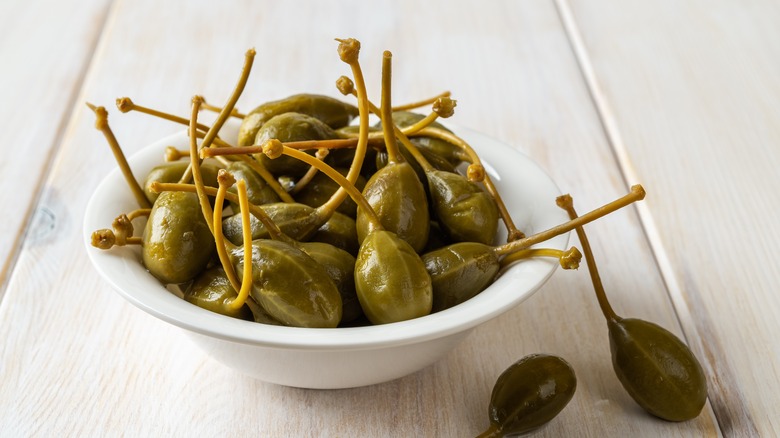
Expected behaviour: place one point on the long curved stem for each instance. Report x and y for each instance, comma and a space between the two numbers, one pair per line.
235, 113
567, 203
101, 123
125, 104
273, 147
197, 178
348, 51
421, 103
212, 133
246, 281
225, 181
637, 193
386, 110
231, 103
569, 259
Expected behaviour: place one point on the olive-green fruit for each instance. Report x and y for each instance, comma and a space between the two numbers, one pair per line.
530, 393
391, 281
343, 157
177, 242
381, 160
429, 145
211, 290
332, 112
657, 369
296, 220
300, 222
259, 315
340, 266
172, 172
321, 188
459, 272
340, 231
464, 210
257, 190
399, 200
289, 127
293, 288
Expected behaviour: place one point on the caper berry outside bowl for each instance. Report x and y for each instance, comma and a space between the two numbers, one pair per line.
334, 357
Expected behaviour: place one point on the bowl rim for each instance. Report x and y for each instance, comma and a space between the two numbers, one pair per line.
493, 301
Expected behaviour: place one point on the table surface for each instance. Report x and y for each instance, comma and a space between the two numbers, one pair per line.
680, 96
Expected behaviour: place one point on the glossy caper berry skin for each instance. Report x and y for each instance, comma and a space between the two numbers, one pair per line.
290, 286
464, 210
299, 222
211, 290
321, 188
340, 266
399, 200
258, 191
530, 393
430, 146
391, 280
328, 110
288, 127
657, 369
340, 231
459, 272
177, 242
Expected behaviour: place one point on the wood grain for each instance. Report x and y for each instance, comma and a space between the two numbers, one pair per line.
85, 362
42, 72
694, 113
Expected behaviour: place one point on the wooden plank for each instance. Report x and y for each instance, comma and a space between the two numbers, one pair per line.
690, 96
42, 72
88, 363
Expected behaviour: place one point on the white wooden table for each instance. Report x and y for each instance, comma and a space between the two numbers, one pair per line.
682, 96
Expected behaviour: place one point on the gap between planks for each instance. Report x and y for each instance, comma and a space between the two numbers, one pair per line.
630, 176
7, 270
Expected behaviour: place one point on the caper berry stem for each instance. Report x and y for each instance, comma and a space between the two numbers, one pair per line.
569, 259
125, 105
101, 123
225, 180
258, 167
231, 103
274, 148
442, 107
400, 134
218, 142
141, 212
567, 203
246, 281
637, 193
197, 101
420, 103
310, 174
348, 50
235, 113
386, 110
197, 178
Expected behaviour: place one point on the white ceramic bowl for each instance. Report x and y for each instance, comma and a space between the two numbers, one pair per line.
342, 357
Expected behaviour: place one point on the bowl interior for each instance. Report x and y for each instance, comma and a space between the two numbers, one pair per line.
528, 192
